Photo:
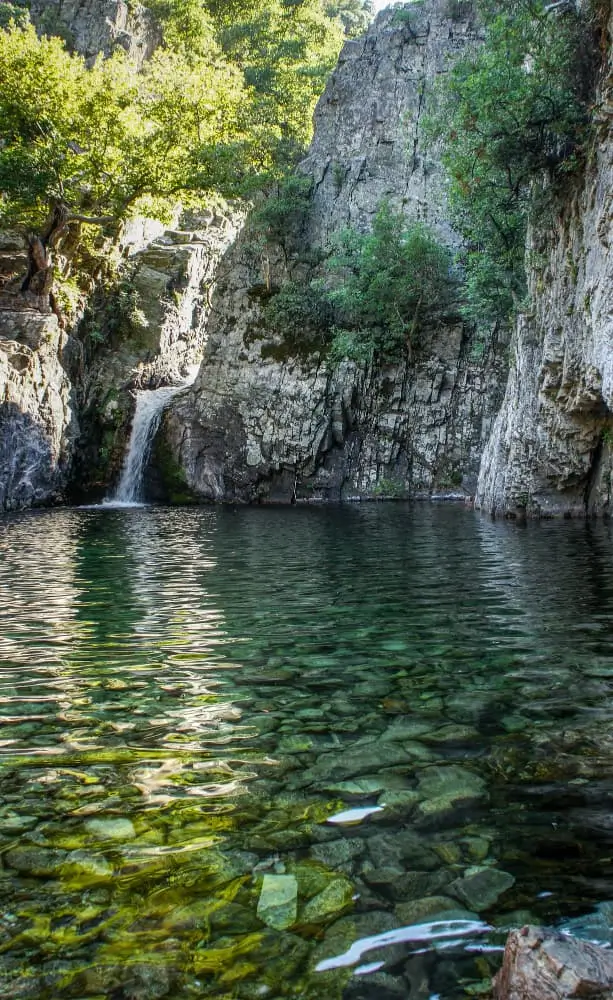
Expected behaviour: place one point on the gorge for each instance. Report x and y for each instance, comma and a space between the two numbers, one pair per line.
518, 419
263, 734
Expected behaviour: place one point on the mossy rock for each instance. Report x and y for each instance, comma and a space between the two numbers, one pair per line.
165, 479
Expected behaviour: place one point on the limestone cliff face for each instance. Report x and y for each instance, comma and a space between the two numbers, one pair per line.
169, 277
551, 448
95, 27
262, 422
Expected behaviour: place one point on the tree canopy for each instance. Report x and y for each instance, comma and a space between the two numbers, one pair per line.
223, 105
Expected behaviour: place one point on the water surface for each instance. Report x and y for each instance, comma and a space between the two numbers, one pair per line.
194, 702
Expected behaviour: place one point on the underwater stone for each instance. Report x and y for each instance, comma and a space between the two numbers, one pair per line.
399, 803
356, 789
335, 853
278, 902
35, 860
354, 762
83, 866
335, 898
453, 781
417, 910
111, 829
481, 890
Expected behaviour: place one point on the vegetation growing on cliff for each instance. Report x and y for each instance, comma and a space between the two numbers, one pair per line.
511, 117
225, 104
378, 292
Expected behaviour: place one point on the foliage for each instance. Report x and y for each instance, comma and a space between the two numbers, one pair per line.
350, 345
380, 290
282, 215
508, 114
225, 105
15, 11
395, 280
300, 312
354, 15
98, 139
285, 50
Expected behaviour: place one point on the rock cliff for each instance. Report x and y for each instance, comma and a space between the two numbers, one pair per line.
550, 451
95, 27
265, 422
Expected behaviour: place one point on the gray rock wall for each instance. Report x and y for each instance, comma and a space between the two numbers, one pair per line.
95, 27
262, 422
550, 451
37, 405
171, 276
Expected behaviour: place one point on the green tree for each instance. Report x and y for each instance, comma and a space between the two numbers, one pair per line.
85, 145
512, 113
285, 50
395, 280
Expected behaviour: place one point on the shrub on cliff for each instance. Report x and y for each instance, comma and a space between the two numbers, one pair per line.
394, 281
379, 292
507, 115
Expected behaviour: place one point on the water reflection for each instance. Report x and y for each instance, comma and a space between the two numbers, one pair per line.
188, 696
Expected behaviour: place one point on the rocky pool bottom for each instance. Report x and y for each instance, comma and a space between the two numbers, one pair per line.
311, 753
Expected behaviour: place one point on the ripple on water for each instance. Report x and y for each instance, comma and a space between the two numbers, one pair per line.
297, 752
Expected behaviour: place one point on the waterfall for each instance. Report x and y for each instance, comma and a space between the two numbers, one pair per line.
150, 405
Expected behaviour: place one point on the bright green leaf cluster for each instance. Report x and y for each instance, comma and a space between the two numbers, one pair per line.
97, 139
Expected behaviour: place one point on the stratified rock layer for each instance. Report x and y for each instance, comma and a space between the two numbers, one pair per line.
37, 405
265, 422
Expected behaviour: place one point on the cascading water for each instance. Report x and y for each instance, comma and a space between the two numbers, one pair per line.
150, 405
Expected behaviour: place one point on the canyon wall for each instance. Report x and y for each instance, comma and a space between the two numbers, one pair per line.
550, 451
265, 419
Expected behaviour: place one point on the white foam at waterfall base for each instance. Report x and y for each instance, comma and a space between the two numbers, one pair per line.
150, 405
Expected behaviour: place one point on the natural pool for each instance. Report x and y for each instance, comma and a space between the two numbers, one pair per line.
189, 696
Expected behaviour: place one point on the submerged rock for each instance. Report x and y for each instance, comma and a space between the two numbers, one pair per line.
35, 860
481, 889
335, 898
278, 902
111, 829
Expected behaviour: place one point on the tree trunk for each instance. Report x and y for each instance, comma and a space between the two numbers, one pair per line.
38, 281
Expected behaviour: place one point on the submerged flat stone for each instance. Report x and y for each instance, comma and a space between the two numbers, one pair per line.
111, 829
278, 902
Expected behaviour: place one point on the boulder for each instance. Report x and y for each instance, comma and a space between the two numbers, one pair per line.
541, 964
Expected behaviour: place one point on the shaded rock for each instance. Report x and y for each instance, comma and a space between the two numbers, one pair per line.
335, 853
353, 762
399, 803
540, 964
481, 889
453, 781
376, 986
35, 860
446, 789
417, 910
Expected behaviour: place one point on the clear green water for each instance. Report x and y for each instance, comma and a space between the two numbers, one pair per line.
189, 695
